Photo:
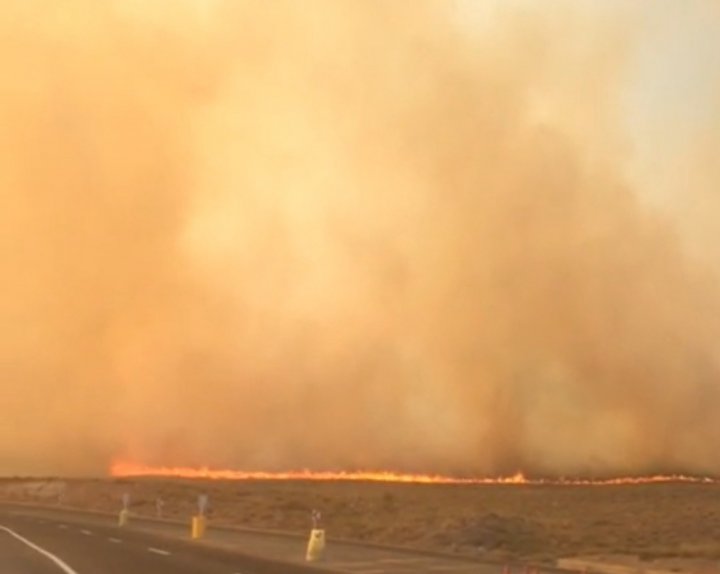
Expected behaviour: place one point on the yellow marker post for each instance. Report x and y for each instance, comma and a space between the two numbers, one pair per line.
124, 513
198, 527
199, 522
316, 545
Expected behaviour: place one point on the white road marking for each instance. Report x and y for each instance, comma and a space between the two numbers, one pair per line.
365, 566
54, 559
451, 567
114, 540
159, 551
86, 532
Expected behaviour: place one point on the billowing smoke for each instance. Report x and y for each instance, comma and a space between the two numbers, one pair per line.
339, 234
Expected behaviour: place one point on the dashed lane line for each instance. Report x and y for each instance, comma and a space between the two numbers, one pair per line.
158, 551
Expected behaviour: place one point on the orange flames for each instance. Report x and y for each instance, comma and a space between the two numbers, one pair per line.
128, 469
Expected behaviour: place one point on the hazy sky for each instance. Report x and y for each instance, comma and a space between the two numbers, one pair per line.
469, 237
670, 89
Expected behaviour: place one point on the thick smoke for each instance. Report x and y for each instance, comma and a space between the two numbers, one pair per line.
337, 234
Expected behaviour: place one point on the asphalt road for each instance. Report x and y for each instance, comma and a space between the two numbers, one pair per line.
40, 539
30, 544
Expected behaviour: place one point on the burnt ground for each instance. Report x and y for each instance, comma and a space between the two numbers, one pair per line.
539, 523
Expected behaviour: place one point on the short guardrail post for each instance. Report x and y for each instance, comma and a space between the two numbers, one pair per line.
316, 544
199, 521
125, 512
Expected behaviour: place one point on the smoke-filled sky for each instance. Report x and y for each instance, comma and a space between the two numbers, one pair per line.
464, 237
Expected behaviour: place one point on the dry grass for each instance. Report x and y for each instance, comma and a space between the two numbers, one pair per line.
540, 523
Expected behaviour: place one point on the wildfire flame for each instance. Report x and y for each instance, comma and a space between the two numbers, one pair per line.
129, 469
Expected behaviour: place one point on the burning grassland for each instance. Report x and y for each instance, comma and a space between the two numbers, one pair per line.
123, 469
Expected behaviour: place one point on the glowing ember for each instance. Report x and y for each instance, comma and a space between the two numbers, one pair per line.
128, 469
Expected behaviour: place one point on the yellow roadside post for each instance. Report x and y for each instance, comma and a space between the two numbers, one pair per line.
198, 527
199, 521
124, 513
316, 544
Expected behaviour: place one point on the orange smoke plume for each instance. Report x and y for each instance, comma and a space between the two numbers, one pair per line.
129, 469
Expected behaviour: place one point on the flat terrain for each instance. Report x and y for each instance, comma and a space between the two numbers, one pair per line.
537, 523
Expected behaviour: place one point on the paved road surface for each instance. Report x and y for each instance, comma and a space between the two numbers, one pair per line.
44, 541
33, 545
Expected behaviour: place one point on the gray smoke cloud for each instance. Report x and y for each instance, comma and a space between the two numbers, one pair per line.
337, 234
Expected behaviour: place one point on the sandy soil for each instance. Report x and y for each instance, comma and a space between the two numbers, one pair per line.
539, 523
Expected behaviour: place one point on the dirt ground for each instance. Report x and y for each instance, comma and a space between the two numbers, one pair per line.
538, 523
